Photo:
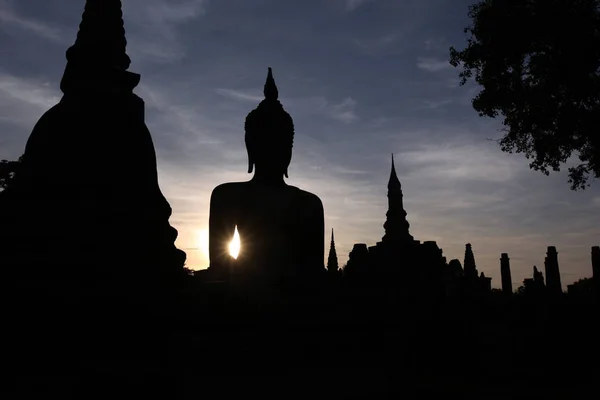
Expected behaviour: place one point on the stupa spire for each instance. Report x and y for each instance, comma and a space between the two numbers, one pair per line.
332, 261
394, 182
99, 53
396, 226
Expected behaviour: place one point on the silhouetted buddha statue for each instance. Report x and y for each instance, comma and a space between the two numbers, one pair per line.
90, 206
281, 227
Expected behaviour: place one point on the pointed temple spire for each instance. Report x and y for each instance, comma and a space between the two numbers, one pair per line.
394, 182
99, 55
332, 261
396, 226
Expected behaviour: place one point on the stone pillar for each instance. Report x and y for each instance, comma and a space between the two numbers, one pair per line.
553, 284
596, 269
505, 272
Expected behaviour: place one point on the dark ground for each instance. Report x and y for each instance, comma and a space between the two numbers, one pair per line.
331, 346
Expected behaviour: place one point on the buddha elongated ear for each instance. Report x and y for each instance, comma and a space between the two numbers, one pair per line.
249, 151
250, 164
286, 173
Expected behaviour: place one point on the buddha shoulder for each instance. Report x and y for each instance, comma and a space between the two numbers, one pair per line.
312, 201
228, 190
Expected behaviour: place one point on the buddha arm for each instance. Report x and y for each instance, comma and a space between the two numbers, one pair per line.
317, 238
220, 231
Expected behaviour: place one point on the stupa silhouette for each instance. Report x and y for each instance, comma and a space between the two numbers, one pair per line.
86, 205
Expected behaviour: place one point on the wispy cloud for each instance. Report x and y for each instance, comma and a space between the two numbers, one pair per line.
28, 91
377, 45
239, 95
344, 111
436, 45
352, 5
9, 17
460, 161
154, 26
22, 101
435, 104
433, 64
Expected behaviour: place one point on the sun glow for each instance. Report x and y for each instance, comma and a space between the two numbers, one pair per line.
203, 242
235, 245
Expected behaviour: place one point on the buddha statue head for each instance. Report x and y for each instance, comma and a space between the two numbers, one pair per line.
269, 134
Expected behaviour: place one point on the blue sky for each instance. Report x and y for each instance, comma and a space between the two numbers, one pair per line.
362, 79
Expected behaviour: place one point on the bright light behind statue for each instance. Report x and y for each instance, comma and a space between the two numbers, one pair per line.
235, 245
203, 242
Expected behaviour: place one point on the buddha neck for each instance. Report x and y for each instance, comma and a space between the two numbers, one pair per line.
268, 178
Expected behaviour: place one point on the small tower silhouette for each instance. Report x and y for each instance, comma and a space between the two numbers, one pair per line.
396, 226
469, 263
596, 269
332, 260
505, 272
538, 280
596, 262
485, 282
552, 271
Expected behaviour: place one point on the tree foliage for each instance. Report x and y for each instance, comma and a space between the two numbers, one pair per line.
538, 64
8, 169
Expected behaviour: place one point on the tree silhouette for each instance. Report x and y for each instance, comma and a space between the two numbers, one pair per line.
538, 62
8, 169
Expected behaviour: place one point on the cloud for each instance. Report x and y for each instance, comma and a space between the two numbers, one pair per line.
433, 64
344, 111
22, 101
152, 27
239, 95
435, 104
459, 161
436, 45
28, 91
9, 17
379, 44
352, 5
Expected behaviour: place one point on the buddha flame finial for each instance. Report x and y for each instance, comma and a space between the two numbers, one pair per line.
271, 92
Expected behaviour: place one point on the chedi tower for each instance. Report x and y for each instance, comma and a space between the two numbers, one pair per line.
87, 205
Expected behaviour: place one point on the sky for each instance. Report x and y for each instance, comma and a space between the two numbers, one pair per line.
361, 78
